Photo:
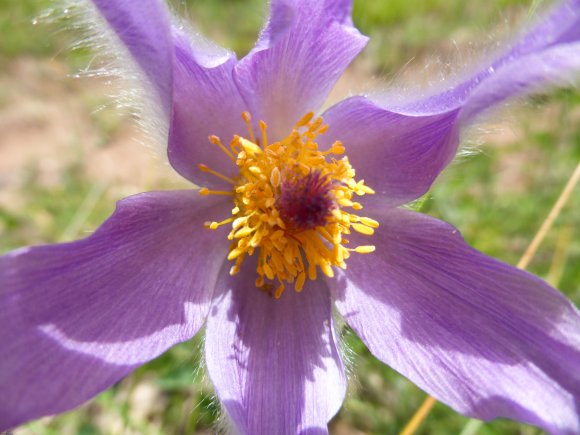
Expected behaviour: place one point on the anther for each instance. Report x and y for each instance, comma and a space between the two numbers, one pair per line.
275, 177
279, 291
360, 189
363, 229
337, 148
364, 249
259, 281
369, 222
216, 141
235, 253
305, 120
300, 281
323, 129
216, 225
345, 202
327, 270
315, 125
263, 129
250, 147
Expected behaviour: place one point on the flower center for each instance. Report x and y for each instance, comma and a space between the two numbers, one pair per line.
306, 202
290, 205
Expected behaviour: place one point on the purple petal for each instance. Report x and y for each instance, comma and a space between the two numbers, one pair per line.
560, 28
483, 337
399, 149
397, 155
274, 363
554, 66
193, 79
79, 316
143, 28
206, 102
304, 49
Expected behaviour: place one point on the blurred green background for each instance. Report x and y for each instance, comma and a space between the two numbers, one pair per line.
67, 153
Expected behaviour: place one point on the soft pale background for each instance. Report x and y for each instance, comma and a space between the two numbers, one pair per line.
67, 154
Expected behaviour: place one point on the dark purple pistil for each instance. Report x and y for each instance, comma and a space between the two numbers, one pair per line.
305, 202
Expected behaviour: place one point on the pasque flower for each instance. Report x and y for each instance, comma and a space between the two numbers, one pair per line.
283, 229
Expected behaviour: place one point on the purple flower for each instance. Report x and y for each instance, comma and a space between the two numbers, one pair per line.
483, 337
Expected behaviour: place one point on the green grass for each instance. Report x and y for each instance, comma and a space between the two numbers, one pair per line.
20, 31
497, 198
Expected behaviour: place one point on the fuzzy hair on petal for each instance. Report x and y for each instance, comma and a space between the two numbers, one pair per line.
130, 89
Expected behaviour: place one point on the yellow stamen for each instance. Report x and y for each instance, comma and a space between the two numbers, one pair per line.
315, 125
263, 129
279, 291
363, 229
300, 281
250, 147
276, 185
216, 141
364, 249
215, 225
369, 222
336, 148
204, 168
305, 120
205, 191
248, 120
